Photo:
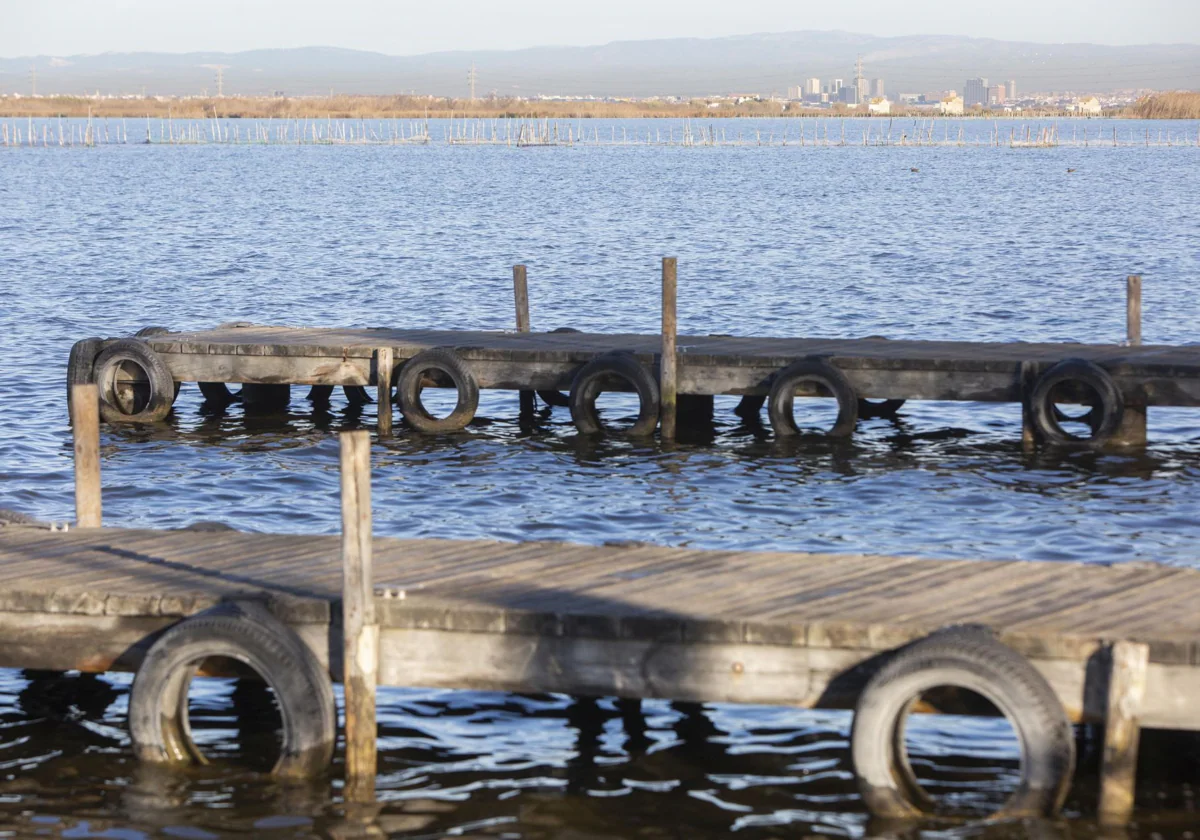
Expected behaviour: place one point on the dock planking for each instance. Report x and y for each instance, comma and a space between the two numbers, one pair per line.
1147, 375
631, 620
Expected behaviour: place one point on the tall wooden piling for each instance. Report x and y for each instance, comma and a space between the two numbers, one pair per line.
360, 632
667, 368
384, 362
85, 423
1132, 431
1133, 309
1126, 688
521, 297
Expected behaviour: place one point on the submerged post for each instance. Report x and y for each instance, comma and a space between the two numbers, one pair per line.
360, 633
667, 367
85, 423
1133, 308
1118, 771
384, 361
521, 297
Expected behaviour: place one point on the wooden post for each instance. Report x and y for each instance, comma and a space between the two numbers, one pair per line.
383, 386
1118, 771
360, 633
521, 296
1133, 309
85, 422
667, 366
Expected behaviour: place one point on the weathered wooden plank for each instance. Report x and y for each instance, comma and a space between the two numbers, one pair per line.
360, 657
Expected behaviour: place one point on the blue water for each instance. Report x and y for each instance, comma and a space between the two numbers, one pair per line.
982, 242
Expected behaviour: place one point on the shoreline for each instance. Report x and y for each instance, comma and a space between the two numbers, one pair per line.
419, 108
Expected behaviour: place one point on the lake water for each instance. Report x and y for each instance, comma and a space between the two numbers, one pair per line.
980, 242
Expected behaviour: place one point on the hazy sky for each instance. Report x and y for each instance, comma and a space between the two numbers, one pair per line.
64, 27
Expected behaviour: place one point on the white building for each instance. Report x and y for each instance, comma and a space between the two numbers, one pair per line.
879, 105
951, 106
812, 87
1088, 105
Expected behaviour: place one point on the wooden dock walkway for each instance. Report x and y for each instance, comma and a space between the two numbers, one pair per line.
1045, 644
674, 375
636, 620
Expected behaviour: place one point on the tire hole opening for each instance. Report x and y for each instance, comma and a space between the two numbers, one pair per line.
127, 387
437, 394
618, 410
959, 751
233, 716
814, 408
1074, 409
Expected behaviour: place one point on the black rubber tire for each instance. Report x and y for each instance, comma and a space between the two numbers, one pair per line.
12, 517
588, 385
1104, 418
162, 387
409, 384
217, 392
972, 658
887, 409
320, 395
266, 397
208, 526
557, 399
248, 633
750, 406
150, 332
782, 397
357, 395
81, 364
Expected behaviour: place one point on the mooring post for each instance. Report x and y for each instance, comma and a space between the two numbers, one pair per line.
1027, 378
521, 297
1133, 309
1126, 688
667, 367
85, 423
384, 361
1132, 431
360, 633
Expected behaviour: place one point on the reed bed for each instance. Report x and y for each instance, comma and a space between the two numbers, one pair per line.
524, 132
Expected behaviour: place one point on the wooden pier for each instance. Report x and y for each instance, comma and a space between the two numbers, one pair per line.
1116, 382
1047, 644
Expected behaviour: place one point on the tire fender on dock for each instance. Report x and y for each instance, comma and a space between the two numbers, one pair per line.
590, 383
447, 368
248, 633
811, 371
154, 404
1104, 418
970, 658
81, 363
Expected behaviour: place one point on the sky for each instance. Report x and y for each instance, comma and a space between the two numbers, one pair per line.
405, 27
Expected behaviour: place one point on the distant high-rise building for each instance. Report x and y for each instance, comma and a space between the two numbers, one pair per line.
995, 95
836, 86
876, 88
975, 92
795, 92
812, 87
1012, 90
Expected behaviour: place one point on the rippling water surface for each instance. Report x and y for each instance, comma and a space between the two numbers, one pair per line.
979, 243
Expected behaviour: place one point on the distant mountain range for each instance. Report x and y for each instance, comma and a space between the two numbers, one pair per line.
762, 63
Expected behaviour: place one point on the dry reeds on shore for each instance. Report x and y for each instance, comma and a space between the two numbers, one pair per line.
355, 107
1176, 105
